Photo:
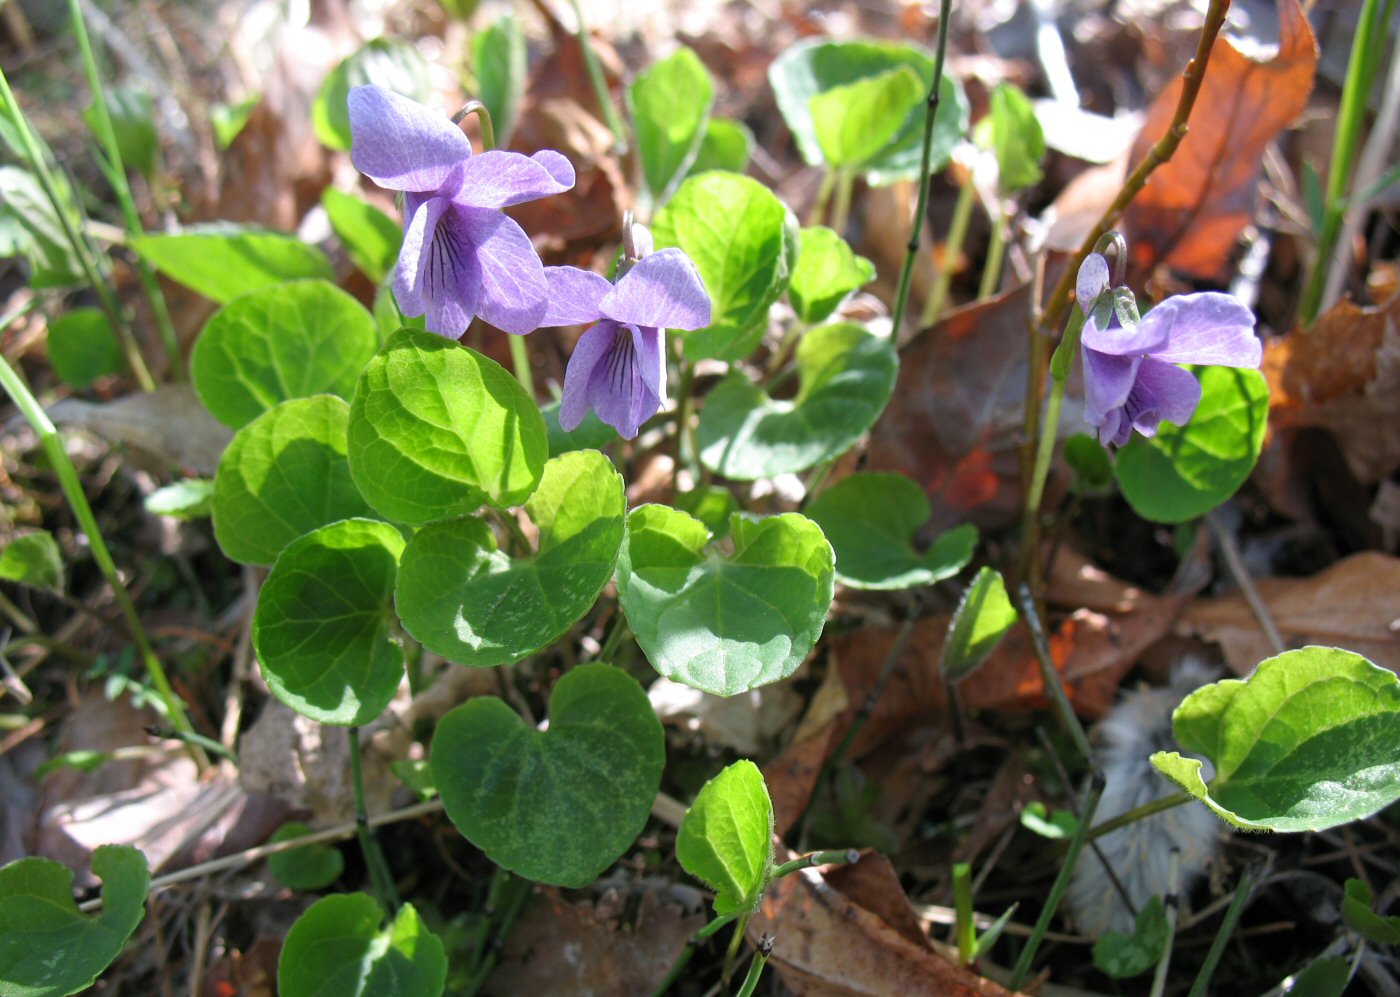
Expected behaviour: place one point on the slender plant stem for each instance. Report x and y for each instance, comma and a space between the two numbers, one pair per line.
1139, 812
107, 135
685, 406
619, 632
901, 298
1222, 936
691, 944
515, 905
991, 269
77, 501
190, 737
966, 926
379, 872
847, 857
841, 208
520, 360
1173, 904
600, 85
814, 217
730, 954
760, 959
1050, 678
952, 251
483, 119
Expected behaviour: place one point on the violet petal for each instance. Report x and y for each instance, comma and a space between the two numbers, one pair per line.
1092, 280
1206, 328
573, 296
1161, 391
592, 346
513, 287
617, 390
664, 290
496, 179
438, 273
402, 145
1108, 380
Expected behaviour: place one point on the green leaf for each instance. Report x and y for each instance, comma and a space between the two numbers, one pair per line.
712, 505
1057, 826
52, 260
1017, 138
726, 838
282, 342
284, 475
1122, 956
311, 867
133, 116
229, 120
189, 498
726, 145
416, 775
222, 261
1185, 471
1305, 743
338, 949
499, 60
854, 121
1322, 978
847, 376
982, 619
34, 560
391, 63
559, 805
744, 243
724, 624
816, 67
1356, 909
1093, 471
670, 104
323, 629
872, 520
827, 271
590, 434
462, 598
370, 237
83, 347
437, 429
47, 947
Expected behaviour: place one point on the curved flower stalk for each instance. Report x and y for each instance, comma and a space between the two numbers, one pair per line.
618, 368
461, 255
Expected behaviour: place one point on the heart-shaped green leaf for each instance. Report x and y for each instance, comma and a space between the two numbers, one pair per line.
287, 341
83, 347
827, 270
712, 505
1359, 914
284, 475
726, 838
670, 104
370, 237
982, 619
560, 805
590, 434
391, 63
847, 376
1123, 956
727, 145
311, 867
1186, 471
437, 429
323, 629
34, 560
338, 949
1017, 138
871, 520
1305, 743
744, 243
500, 61
222, 261
855, 121
473, 604
724, 624
47, 947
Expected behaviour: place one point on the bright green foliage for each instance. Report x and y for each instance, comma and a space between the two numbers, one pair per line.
222, 261
1093, 471
52, 261
816, 67
34, 560
724, 624
590, 434
437, 429
286, 341
743, 241
1357, 910
284, 475
48, 948
323, 629
370, 237
229, 120
727, 145
391, 63
712, 505
1122, 956
827, 271
726, 838
871, 520
1056, 826
670, 104
499, 62
188, 498
981, 621
1185, 471
133, 116
338, 949
311, 867
1305, 743
854, 121
462, 598
82, 347
847, 376
560, 805
1017, 139
1322, 978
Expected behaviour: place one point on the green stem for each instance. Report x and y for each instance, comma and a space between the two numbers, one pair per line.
190, 737
520, 360
991, 270
814, 217
952, 251
760, 959
686, 451
107, 135
483, 118
77, 501
615, 637
847, 857
1049, 430
1140, 812
841, 209
732, 953
962, 906
1222, 936
901, 298
1172, 903
692, 943
600, 84
1050, 678
379, 873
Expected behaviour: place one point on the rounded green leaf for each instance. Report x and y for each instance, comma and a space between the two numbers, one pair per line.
500, 62
47, 947
287, 341
727, 145
712, 505
724, 624
726, 838
670, 104
1309, 741
323, 629
188, 498
1185, 471
222, 261
82, 347
1361, 917
872, 520
284, 475
559, 805
1123, 956
391, 63
590, 434
1017, 138
847, 376
370, 237
827, 271
33, 559
437, 429
459, 596
982, 619
854, 121
311, 867
338, 949
744, 243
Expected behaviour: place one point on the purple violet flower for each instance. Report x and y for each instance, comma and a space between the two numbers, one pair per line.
461, 256
618, 367
1131, 377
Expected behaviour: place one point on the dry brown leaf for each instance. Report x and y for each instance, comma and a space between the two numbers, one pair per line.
169, 423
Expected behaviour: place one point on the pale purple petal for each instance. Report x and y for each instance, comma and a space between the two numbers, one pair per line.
402, 145
438, 274
1108, 380
650, 344
1092, 281
1119, 341
641, 241
664, 291
1116, 428
591, 348
1206, 328
573, 296
497, 179
617, 388
513, 287
1161, 391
